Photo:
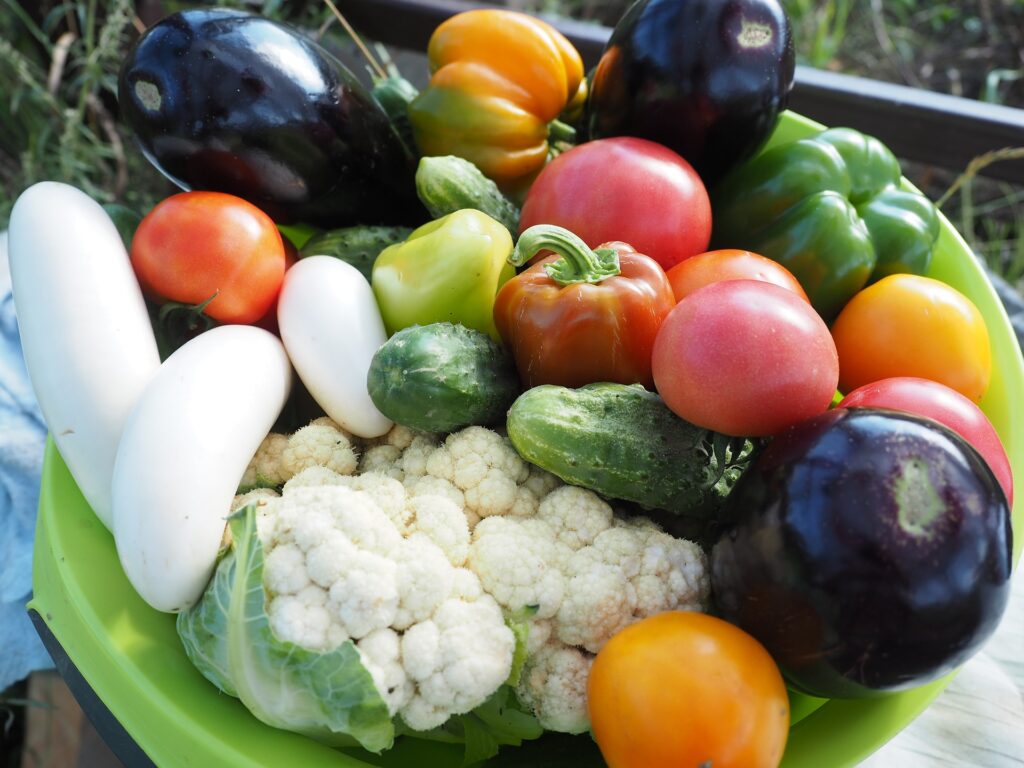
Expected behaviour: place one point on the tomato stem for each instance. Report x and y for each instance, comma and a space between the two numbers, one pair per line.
579, 263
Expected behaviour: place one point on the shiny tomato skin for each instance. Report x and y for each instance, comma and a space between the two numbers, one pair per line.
729, 264
625, 189
745, 358
195, 244
908, 325
946, 406
687, 689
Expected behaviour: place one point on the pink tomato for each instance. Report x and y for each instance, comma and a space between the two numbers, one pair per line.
745, 357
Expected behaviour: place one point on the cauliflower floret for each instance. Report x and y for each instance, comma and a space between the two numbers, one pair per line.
265, 470
537, 635
382, 459
380, 652
576, 515
554, 686
425, 579
673, 576
518, 564
327, 421
487, 469
404, 457
313, 477
319, 445
284, 570
629, 573
540, 482
388, 493
299, 621
398, 436
458, 658
599, 602
365, 597
465, 585
414, 458
437, 518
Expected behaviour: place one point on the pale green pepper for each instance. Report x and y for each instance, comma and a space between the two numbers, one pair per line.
448, 270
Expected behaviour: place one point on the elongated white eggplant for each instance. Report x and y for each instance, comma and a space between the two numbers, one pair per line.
331, 328
185, 447
88, 343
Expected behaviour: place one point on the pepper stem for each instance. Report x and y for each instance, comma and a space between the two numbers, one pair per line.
579, 263
560, 132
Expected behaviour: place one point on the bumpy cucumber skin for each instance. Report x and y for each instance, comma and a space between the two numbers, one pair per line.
623, 442
447, 184
441, 377
359, 246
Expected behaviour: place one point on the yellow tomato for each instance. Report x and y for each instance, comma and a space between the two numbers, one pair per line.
683, 690
907, 325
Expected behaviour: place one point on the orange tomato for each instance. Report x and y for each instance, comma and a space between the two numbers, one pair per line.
907, 325
195, 244
683, 690
729, 264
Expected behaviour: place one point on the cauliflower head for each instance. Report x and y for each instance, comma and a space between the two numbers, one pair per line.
337, 567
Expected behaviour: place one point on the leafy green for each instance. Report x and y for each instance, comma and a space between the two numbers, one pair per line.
328, 696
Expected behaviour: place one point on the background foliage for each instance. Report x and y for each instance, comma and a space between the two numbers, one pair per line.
59, 63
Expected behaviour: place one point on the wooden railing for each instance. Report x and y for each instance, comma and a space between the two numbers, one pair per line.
932, 128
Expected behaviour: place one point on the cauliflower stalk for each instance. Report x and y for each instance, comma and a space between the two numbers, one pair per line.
463, 532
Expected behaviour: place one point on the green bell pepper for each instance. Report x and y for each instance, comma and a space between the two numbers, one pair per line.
448, 270
830, 209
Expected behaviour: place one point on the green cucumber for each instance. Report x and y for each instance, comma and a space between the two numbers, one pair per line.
359, 246
440, 377
448, 184
623, 442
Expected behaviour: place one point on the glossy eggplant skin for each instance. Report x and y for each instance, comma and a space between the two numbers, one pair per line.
707, 78
871, 552
228, 101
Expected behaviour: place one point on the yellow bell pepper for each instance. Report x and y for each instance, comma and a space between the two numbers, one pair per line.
498, 79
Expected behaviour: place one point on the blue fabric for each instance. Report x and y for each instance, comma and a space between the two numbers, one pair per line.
22, 437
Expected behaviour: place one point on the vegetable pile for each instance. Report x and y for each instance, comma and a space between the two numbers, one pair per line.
472, 436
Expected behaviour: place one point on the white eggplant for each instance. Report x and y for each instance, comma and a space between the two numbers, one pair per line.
184, 449
88, 343
331, 327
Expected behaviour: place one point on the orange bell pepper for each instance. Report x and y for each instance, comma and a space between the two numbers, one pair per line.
498, 80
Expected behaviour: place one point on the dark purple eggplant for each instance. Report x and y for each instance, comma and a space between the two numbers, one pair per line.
870, 552
707, 78
228, 101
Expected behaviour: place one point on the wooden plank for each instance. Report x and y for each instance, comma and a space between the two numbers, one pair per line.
57, 733
918, 125
53, 723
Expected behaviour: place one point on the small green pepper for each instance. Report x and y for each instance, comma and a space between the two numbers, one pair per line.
831, 210
448, 270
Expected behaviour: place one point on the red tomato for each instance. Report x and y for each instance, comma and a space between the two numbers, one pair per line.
729, 264
195, 244
946, 406
625, 189
745, 358
686, 689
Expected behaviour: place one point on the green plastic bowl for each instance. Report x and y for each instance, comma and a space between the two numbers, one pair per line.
131, 657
